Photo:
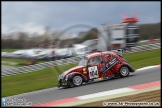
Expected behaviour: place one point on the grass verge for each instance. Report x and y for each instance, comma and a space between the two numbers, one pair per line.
27, 82
9, 50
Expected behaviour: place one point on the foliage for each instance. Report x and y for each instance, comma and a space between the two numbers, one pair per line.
146, 31
150, 31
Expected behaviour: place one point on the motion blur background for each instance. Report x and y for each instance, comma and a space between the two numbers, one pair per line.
39, 25
40, 32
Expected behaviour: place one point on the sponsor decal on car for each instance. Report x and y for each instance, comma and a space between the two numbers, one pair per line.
109, 65
93, 72
98, 79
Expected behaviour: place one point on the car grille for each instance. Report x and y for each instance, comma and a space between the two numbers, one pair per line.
60, 82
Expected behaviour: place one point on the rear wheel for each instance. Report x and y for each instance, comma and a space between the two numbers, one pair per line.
124, 71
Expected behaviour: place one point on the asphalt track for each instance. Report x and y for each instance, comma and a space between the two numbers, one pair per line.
46, 95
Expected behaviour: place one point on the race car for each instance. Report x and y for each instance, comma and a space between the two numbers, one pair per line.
97, 66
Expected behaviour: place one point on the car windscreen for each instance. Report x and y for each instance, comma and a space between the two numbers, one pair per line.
83, 61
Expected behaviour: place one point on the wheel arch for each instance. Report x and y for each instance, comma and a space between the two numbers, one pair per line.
70, 76
129, 67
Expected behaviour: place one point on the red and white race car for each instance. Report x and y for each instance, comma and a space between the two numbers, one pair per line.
96, 66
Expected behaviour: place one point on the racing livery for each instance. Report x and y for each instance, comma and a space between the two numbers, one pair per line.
96, 66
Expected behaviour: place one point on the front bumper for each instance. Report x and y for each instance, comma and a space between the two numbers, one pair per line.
62, 83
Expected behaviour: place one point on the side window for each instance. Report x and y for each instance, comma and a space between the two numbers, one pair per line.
95, 61
106, 56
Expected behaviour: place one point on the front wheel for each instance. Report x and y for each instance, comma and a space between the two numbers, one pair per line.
77, 80
124, 71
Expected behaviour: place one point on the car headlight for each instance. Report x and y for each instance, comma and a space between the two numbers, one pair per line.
58, 77
61, 76
66, 78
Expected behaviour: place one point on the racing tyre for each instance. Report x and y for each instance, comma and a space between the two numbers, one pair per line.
77, 80
124, 71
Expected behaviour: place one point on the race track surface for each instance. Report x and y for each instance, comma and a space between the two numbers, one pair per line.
151, 96
46, 95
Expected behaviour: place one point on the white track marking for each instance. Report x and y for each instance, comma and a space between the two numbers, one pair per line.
148, 67
105, 93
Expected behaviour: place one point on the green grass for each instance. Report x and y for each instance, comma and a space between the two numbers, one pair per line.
9, 50
142, 59
32, 81
47, 78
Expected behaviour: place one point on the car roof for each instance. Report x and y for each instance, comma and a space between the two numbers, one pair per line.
91, 55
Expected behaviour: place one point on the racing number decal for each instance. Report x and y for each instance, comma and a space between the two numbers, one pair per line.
93, 72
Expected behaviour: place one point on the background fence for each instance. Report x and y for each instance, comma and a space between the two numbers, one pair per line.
31, 68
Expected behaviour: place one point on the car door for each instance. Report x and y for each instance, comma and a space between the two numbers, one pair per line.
94, 65
110, 61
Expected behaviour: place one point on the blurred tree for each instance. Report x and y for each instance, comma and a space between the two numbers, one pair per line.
22, 40
150, 31
91, 34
